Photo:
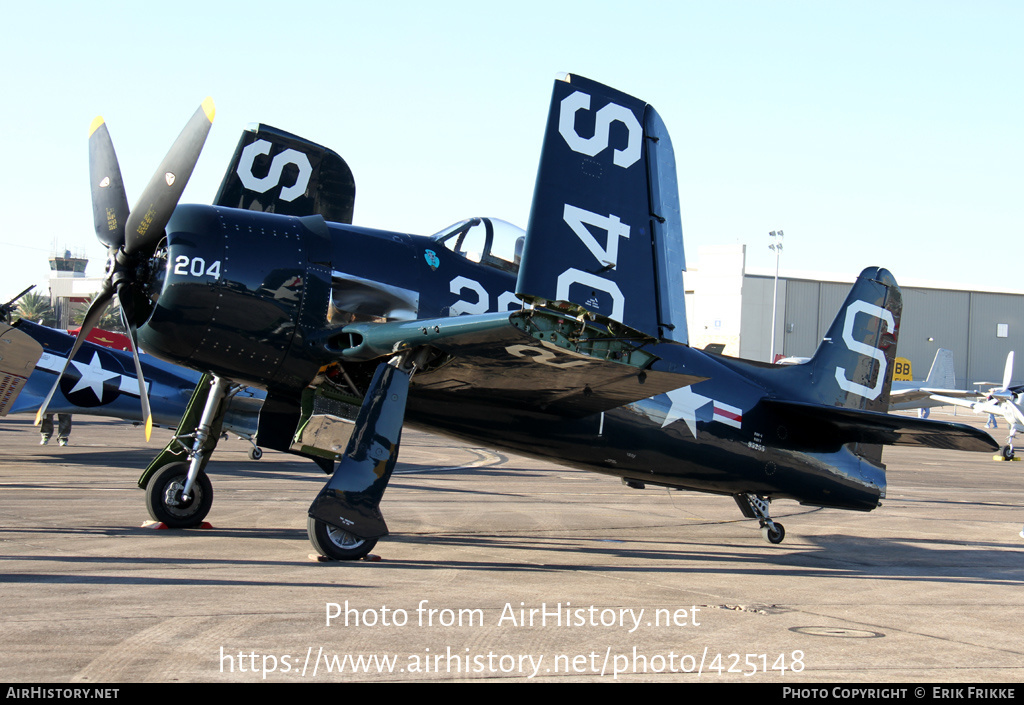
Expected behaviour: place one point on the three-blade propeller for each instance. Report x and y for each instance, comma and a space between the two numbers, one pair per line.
131, 236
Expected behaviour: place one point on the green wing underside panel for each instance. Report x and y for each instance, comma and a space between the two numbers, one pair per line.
530, 359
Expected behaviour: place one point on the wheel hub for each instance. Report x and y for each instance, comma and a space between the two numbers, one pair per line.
173, 498
342, 538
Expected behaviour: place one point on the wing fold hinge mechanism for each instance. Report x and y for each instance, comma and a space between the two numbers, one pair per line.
608, 342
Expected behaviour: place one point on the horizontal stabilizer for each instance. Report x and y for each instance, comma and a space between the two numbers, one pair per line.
822, 428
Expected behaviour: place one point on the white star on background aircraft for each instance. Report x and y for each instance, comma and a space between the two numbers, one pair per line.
93, 376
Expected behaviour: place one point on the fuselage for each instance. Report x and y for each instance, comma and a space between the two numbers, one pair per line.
262, 300
712, 437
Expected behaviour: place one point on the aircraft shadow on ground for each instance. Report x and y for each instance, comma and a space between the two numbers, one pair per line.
577, 551
403, 477
183, 576
100, 460
905, 559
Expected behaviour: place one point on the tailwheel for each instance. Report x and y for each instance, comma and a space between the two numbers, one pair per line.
1007, 452
758, 507
336, 543
164, 497
773, 532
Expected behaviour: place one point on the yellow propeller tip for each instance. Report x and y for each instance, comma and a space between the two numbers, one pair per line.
39, 417
209, 109
96, 123
149, 427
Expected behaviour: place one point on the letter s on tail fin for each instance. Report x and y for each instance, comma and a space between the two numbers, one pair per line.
841, 395
853, 366
604, 234
273, 171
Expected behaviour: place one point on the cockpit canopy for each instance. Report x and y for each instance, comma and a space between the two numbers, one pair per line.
489, 241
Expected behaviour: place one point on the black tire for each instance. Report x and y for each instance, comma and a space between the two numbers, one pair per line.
163, 497
775, 536
336, 543
255, 453
1007, 452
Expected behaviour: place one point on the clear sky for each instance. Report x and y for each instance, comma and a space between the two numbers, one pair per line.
873, 133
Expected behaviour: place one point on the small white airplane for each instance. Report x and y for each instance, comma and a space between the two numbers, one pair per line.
1001, 400
941, 380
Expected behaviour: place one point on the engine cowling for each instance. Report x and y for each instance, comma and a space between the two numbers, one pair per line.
240, 294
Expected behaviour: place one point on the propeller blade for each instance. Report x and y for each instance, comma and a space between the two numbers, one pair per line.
99, 305
147, 415
154, 208
1008, 371
109, 203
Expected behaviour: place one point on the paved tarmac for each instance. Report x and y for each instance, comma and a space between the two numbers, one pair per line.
500, 567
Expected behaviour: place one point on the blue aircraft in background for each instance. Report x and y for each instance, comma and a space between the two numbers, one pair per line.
101, 381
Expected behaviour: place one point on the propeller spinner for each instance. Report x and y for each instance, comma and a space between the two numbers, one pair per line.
131, 236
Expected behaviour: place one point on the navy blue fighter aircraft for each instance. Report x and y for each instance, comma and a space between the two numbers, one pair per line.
567, 341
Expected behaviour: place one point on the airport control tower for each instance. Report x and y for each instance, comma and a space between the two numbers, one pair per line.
69, 286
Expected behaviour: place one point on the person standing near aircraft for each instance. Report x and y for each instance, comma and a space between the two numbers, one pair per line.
63, 429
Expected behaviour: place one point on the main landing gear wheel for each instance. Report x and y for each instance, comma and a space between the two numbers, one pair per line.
337, 543
164, 502
774, 532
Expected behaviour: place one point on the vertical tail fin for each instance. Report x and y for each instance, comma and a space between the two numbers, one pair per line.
941, 375
853, 366
273, 171
604, 235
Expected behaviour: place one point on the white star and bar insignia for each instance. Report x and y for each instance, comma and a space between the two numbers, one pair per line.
93, 376
689, 406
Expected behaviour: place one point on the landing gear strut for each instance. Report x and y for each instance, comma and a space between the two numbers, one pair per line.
178, 492
1007, 451
345, 519
756, 507
199, 454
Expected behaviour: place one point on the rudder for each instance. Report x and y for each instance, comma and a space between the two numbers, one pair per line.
853, 366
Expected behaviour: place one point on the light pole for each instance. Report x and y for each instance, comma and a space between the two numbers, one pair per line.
776, 246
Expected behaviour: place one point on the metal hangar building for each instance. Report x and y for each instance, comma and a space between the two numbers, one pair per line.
727, 305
